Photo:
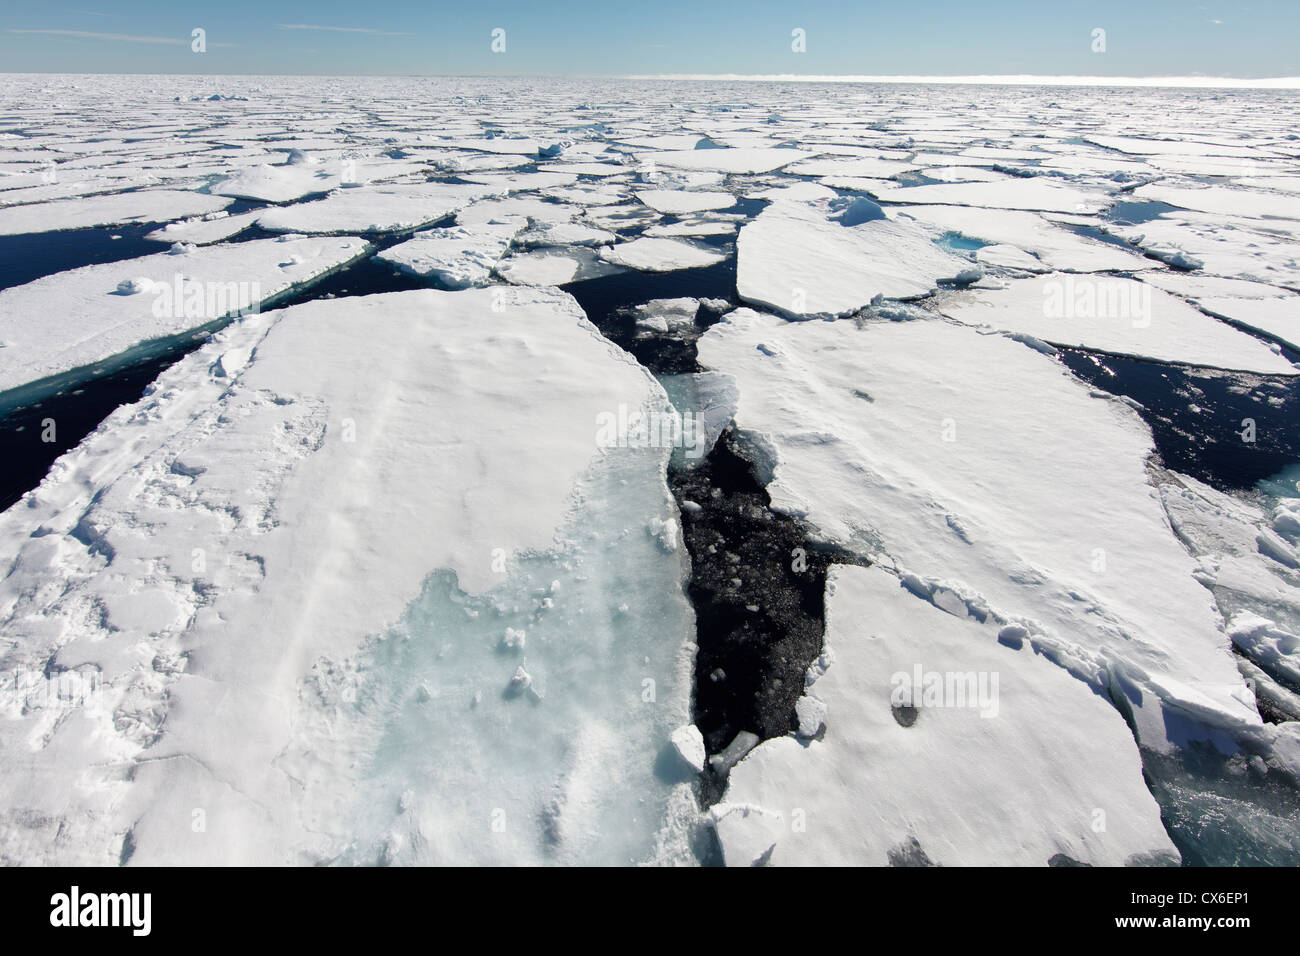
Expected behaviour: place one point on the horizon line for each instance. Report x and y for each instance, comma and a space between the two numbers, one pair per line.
978, 79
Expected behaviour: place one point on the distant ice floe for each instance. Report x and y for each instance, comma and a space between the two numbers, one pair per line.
1118, 315
457, 256
146, 205
752, 159
375, 208
795, 259
1028, 194
678, 202
660, 255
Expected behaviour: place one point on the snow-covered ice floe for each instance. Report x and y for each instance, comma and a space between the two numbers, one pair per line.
345, 596
57, 329
893, 439
942, 746
795, 258
458, 256
143, 205
375, 208
1118, 315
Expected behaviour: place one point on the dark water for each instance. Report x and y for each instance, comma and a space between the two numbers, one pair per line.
1197, 416
35, 255
757, 585
606, 300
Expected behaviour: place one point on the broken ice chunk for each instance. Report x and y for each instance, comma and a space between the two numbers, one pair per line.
689, 744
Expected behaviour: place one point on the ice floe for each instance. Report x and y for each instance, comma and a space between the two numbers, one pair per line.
1035, 767
75, 320
892, 439
794, 258
318, 577
1118, 315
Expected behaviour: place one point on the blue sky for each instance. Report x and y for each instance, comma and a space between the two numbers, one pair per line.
1244, 38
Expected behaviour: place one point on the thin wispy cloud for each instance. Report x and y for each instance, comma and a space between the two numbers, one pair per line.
120, 37
313, 26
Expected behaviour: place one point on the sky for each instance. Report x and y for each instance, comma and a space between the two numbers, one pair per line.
1241, 38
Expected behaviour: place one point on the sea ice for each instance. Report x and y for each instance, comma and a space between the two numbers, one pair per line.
797, 260
1117, 315
1034, 764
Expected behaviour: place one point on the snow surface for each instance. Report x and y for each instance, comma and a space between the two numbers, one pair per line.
375, 208
1039, 513
795, 259
1118, 315
159, 205
289, 523
1022, 782
79, 318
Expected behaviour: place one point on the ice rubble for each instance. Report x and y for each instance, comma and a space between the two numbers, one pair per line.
230, 554
458, 256
794, 258
1033, 768
921, 459
1118, 315
76, 319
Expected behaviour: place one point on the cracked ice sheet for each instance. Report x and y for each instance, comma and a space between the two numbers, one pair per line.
75, 319
1116, 321
793, 258
1023, 778
294, 451
375, 208
157, 205
1278, 318
1040, 482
